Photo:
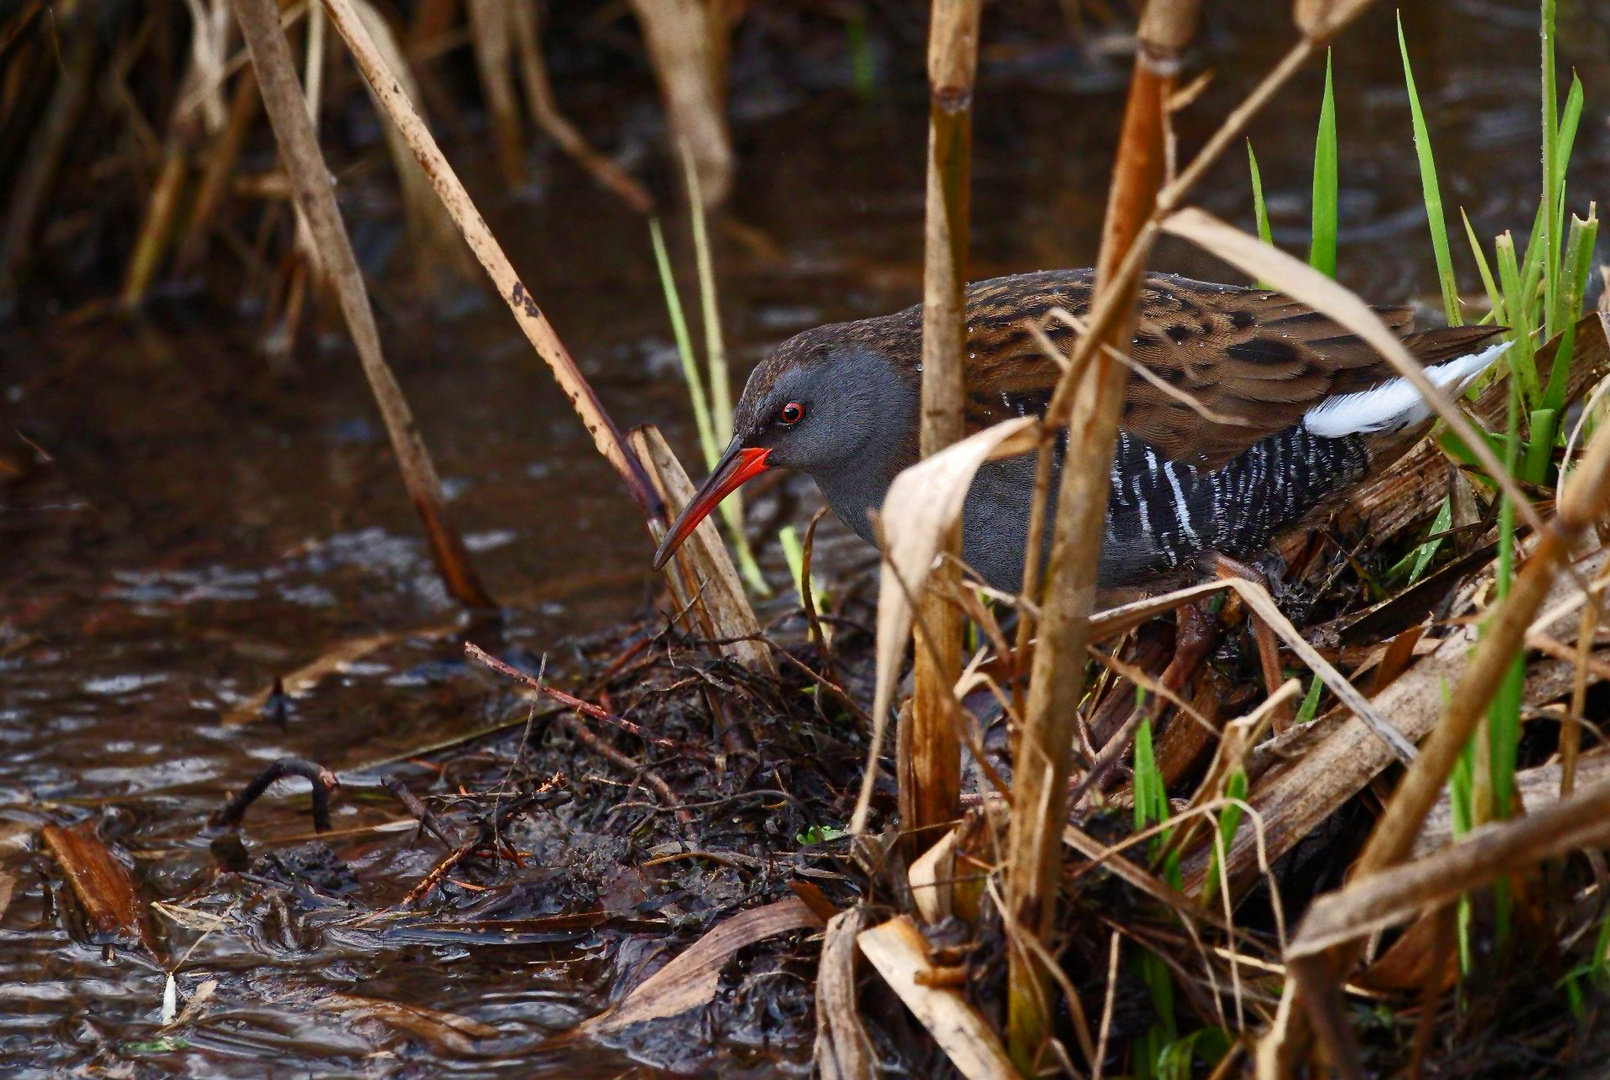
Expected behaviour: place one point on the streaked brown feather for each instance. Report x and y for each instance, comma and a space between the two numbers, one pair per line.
1254, 357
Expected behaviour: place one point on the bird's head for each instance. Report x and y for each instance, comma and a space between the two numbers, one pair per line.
829, 400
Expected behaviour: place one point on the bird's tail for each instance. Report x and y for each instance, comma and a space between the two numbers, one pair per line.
1396, 404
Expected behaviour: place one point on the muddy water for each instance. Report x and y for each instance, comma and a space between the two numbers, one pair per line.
195, 522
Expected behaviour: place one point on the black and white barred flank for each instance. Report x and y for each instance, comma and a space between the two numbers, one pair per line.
1164, 517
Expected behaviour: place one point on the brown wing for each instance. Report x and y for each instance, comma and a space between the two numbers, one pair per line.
1250, 361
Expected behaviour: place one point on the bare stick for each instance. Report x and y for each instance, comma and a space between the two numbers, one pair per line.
586, 708
532, 322
323, 780
934, 773
287, 111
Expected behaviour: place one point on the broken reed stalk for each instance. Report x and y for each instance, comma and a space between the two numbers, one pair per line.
684, 41
431, 233
1045, 749
1584, 498
933, 780
606, 437
704, 583
315, 194
491, 39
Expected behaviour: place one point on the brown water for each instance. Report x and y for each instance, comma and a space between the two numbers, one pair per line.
205, 524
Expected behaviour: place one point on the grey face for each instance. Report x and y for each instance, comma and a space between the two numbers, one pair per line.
845, 410
843, 413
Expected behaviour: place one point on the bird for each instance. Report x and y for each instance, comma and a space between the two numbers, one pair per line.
1246, 413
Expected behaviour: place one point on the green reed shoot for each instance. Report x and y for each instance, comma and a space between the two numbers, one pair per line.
1310, 706
1322, 245
1235, 787
684, 349
1260, 211
1495, 299
1209, 1045
1151, 807
713, 435
1553, 166
1430, 190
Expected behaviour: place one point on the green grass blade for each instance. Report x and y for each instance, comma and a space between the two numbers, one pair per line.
1235, 787
1310, 706
1322, 245
715, 347
684, 349
1428, 550
1578, 265
1260, 211
1504, 713
1532, 262
794, 555
732, 507
1430, 190
1553, 170
1151, 800
1518, 308
1495, 298
1570, 120
1562, 313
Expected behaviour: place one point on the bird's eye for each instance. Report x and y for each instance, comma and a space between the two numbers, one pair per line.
792, 413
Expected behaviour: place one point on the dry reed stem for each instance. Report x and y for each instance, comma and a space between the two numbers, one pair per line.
935, 769
1045, 749
491, 26
1536, 787
703, 580
299, 148
685, 40
157, 225
921, 506
430, 230
219, 172
532, 322
545, 111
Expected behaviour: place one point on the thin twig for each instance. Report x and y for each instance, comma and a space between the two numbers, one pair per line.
586, 708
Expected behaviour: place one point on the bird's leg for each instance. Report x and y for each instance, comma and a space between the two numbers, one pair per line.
1262, 633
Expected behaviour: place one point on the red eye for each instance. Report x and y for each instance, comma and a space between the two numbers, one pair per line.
792, 413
